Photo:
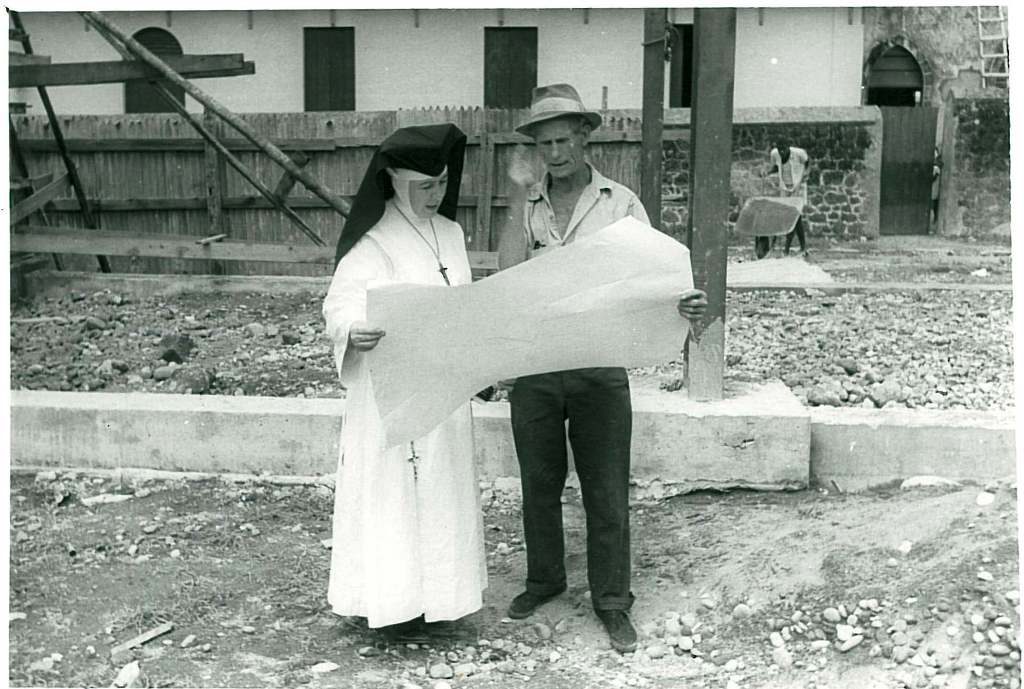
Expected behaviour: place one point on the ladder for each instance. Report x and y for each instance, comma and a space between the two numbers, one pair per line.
992, 46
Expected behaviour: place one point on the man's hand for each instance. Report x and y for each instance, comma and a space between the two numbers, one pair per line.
520, 167
692, 304
364, 337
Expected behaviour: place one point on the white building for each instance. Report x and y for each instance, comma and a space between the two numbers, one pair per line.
391, 59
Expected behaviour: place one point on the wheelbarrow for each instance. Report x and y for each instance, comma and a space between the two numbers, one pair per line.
769, 216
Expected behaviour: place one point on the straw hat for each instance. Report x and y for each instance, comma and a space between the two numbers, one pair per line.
556, 100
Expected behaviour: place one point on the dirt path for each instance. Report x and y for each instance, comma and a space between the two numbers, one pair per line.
930, 576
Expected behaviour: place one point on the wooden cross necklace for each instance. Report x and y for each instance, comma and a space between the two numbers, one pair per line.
441, 268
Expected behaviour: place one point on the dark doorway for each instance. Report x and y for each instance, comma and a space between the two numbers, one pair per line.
510, 66
895, 83
894, 78
139, 95
680, 89
329, 68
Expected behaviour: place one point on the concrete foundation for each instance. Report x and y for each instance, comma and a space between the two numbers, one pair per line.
760, 438
861, 448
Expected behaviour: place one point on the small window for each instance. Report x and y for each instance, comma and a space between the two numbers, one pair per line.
139, 95
681, 71
329, 64
510, 66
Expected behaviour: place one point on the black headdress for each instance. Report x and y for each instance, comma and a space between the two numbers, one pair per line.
426, 149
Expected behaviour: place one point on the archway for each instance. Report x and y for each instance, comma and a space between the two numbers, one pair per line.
139, 95
894, 78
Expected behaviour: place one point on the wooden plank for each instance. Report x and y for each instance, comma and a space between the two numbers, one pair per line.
142, 638
39, 199
16, 35
69, 240
481, 238
21, 59
118, 37
287, 182
710, 162
175, 144
116, 71
58, 136
215, 177
155, 144
230, 202
655, 21
32, 182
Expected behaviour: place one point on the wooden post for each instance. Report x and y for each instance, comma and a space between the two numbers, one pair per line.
58, 136
653, 112
714, 38
216, 178
482, 236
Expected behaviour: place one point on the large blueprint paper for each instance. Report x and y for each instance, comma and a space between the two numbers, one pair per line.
606, 300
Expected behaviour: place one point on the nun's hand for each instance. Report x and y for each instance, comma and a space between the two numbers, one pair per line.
692, 304
521, 167
364, 337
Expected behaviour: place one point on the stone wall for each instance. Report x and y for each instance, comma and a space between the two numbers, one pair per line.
844, 146
975, 188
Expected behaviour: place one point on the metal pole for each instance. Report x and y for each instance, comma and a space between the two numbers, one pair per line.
710, 166
264, 144
653, 112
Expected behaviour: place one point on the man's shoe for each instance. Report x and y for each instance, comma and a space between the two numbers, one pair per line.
525, 603
620, 629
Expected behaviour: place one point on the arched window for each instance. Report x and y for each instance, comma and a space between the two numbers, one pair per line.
895, 78
139, 95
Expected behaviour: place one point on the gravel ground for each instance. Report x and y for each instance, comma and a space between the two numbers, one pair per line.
945, 350
807, 590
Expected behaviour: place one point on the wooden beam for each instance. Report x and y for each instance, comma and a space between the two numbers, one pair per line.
673, 133
215, 177
116, 71
39, 199
481, 239
70, 240
714, 37
230, 203
287, 182
32, 182
16, 35
22, 59
58, 136
240, 125
655, 21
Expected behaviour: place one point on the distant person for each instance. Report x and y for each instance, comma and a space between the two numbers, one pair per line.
790, 163
936, 176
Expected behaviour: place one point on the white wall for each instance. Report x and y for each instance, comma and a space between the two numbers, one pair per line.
798, 56
818, 55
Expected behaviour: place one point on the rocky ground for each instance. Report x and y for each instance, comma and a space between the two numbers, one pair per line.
906, 348
896, 589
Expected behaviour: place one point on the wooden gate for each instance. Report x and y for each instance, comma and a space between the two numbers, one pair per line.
908, 150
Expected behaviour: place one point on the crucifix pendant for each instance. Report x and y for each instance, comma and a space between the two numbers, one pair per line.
444, 273
412, 460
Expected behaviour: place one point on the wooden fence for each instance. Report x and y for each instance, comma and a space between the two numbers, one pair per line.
150, 174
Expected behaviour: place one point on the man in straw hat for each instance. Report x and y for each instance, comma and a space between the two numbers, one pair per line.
573, 200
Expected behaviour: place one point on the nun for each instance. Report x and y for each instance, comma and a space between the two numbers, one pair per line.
408, 546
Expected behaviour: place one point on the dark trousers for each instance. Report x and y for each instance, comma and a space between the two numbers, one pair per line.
596, 403
762, 245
